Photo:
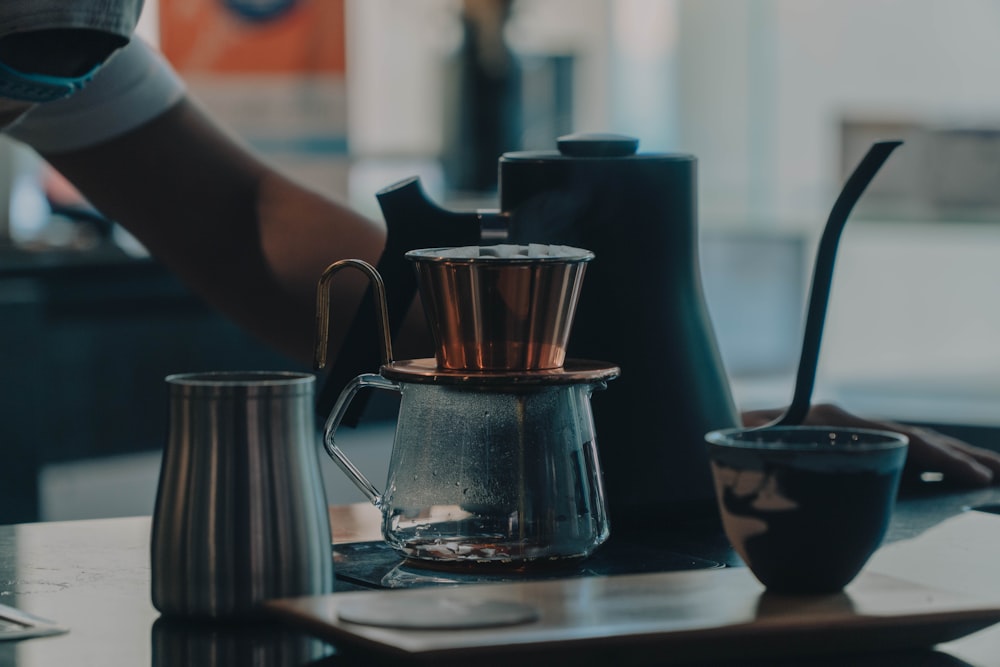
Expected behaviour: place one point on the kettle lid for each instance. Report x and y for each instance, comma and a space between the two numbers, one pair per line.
587, 165
591, 147
597, 145
581, 145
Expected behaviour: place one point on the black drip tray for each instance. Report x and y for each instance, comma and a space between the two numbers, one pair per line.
377, 565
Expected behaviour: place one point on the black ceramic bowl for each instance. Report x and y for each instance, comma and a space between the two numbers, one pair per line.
805, 507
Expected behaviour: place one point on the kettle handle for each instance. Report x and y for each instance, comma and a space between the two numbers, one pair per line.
323, 309
372, 381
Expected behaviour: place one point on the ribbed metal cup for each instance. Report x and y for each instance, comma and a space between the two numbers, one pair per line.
500, 312
240, 513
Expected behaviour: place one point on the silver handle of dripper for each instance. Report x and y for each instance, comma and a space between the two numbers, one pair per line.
323, 309
365, 380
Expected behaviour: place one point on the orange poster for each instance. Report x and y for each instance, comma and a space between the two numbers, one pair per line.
273, 71
253, 36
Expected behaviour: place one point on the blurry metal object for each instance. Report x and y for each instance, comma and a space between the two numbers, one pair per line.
483, 118
240, 513
500, 313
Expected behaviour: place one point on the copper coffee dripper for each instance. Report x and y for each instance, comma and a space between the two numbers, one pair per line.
500, 308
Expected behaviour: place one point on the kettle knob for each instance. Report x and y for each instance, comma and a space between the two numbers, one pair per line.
597, 144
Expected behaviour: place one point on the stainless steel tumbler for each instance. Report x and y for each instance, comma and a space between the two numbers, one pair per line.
240, 513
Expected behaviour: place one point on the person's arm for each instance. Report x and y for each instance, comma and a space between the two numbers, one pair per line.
252, 242
249, 240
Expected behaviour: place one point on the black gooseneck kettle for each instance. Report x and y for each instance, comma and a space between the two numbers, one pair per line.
642, 305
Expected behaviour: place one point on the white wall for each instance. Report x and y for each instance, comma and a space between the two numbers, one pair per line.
915, 302
764, 84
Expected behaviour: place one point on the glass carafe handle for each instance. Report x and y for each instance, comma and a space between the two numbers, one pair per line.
370, 380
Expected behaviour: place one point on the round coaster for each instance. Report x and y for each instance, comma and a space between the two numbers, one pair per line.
435, 613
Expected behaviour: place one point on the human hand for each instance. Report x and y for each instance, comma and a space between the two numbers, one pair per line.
959, 462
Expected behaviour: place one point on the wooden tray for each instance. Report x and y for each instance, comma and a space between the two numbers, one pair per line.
663, 618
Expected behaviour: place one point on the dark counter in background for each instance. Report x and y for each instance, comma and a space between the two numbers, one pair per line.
85, 342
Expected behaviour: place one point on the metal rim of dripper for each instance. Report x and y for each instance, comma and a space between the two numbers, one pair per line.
574, 371
323, 309
433, 255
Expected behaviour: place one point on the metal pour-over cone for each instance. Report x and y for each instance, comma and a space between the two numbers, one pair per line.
500, 308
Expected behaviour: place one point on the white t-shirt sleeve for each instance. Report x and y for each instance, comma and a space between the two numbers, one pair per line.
135, 86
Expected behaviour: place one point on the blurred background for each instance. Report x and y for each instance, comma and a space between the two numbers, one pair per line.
778, 99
